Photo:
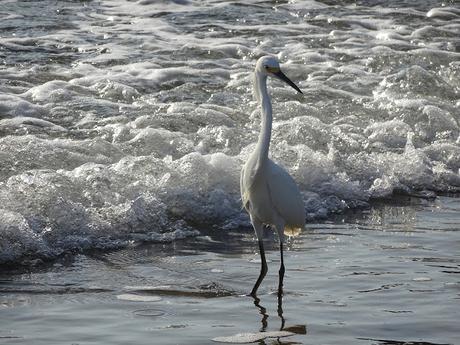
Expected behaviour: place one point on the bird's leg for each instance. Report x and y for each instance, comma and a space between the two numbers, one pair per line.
259, 229
280, 229
263, 268
281, 272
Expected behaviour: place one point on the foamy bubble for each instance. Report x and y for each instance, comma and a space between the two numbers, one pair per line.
390, 133
28, 125
50, 92
16, 106
445, 13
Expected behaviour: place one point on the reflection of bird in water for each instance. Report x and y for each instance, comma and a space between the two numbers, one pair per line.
263, 312
297, 329
269, 194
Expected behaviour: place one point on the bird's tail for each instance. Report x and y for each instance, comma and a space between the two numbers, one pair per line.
292, 231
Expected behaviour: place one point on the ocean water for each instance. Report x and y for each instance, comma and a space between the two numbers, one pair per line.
123, 122
123, 127
387, 275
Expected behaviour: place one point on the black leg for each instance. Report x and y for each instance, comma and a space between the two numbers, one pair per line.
263, 268
281, 272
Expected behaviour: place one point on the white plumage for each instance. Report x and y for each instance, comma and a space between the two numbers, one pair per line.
269, 194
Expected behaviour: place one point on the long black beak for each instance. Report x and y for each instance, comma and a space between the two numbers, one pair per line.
280, 75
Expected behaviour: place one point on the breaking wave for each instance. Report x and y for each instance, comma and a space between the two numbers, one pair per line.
125, 122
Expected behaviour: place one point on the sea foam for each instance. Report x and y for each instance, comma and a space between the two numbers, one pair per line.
130, 122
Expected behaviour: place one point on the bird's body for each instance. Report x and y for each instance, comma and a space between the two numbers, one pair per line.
272, 196
269, 194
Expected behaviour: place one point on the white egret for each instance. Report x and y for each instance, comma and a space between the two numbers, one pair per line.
269, 194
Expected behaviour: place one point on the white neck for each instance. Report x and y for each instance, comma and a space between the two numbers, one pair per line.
263, 144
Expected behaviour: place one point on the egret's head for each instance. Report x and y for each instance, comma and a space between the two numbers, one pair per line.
269, 66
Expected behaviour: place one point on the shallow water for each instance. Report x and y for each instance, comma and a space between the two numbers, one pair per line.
127, 121
123, 126
386, 275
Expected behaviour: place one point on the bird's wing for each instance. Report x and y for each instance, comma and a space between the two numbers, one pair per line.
243, 190
249, 173
285, 196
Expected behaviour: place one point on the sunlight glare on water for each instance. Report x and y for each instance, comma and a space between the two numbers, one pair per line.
124, 124
127, 121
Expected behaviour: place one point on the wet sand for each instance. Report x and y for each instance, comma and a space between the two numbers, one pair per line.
386, 275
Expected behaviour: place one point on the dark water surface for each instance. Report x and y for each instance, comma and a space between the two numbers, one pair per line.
386, 275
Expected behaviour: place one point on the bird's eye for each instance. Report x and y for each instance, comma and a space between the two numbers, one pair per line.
266, 66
